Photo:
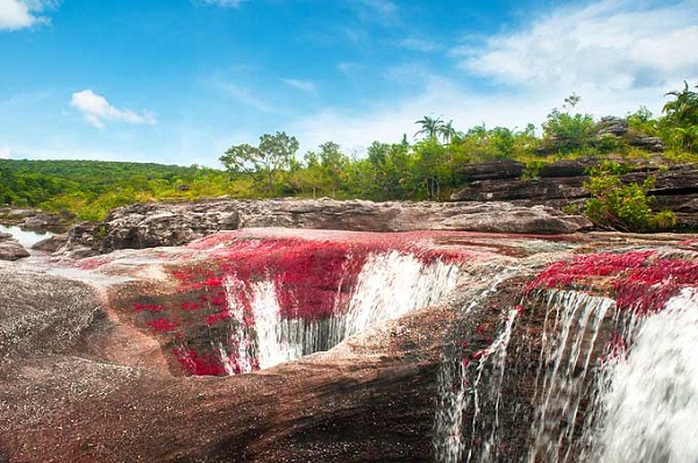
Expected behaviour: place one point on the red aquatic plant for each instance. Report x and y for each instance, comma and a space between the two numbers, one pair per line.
639, 280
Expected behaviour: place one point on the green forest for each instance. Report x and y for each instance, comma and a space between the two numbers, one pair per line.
427, 164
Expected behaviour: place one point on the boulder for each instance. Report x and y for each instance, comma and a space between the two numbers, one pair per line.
51, 244
12, 250
507, 218
5, 236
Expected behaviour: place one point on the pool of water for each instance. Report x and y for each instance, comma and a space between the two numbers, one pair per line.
25, 238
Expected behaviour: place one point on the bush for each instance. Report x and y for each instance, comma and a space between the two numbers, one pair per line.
624, 207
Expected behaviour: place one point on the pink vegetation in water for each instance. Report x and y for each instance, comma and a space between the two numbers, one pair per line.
639, 280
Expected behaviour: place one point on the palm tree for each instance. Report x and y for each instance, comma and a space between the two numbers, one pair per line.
431, 127
683, 111
447, 132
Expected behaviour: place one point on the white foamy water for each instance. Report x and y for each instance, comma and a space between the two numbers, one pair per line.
24, 237
571, 329
651, 401
389, 285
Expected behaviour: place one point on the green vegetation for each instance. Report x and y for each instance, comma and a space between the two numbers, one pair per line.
431, 165
623, 206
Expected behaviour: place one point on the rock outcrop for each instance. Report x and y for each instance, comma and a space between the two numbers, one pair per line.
149, 225
51, 244
10, 249
562, 183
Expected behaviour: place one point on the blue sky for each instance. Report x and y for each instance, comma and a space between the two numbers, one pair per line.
179, 81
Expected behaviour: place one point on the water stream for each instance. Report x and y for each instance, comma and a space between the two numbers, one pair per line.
389, 285
24, 237
634, 399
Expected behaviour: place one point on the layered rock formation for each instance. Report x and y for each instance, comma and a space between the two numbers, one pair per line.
562, 183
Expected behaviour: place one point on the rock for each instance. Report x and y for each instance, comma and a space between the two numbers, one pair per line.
51, 244
43, 222
5, 236
12, 250
612, 125
80, 380
151, 225
507, 218
491, 170
652, 144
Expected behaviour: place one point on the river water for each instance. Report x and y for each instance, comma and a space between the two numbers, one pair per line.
25, 238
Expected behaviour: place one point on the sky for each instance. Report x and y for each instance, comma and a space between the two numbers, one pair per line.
180, 81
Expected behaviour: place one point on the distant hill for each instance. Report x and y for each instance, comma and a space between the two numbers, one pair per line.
91, 188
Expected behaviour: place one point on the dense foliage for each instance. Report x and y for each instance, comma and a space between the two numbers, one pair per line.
429, 166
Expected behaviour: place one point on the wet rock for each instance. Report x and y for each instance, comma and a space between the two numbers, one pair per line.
12, 250
5, 236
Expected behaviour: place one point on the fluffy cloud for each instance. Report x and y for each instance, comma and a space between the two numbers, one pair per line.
616, 54
97, 110
18, 14
5, 152
612, 44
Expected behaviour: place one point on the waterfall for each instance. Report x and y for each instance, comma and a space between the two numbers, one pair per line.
486, 425
570, 331
606, 385
650, 402
388, 286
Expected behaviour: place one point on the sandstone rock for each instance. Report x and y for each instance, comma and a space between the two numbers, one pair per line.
152, 225
612, 125
507, 218
12, 250
51, 244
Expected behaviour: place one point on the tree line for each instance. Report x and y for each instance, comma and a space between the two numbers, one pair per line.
429, 163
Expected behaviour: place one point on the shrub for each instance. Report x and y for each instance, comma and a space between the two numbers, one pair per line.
625, 207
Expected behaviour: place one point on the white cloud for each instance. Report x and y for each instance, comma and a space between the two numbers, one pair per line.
611, 44
305, 86
615, 54
97, 110
19, 14
5, 152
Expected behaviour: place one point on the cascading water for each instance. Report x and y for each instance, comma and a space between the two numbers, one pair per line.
609, 385
388, 286
570, 332
649, 405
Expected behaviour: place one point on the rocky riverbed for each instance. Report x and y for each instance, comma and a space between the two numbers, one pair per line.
103, 357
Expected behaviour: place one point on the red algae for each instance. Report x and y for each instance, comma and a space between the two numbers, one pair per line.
639, 280
313, 276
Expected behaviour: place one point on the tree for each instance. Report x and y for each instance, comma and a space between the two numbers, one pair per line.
683, 111
681, 121
334, 164
264, 162
447, 132
431, 127
567, 132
